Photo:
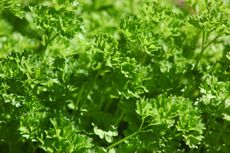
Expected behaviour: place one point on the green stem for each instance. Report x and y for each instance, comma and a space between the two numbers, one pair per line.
142, 123
108, 104
79, 97
79, 101
214, 39
204, 47
122, 140
97, 74
141, 129
48, 41
119, 118
119, 111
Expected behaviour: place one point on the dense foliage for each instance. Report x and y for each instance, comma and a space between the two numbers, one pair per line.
118, 76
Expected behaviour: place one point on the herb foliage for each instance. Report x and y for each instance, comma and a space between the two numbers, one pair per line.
118, 76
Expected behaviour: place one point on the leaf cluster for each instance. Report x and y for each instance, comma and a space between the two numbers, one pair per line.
118, 76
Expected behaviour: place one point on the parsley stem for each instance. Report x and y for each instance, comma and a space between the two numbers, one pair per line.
214, 39
77, 105
142, 123
122, 140
119, 118
50, 39
129, 136
204, 47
